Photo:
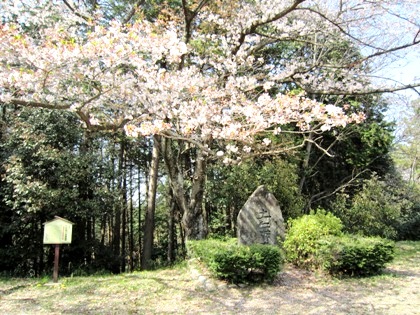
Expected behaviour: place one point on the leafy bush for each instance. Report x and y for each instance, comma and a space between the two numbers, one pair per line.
409, 228
354, 255
237, 263
409, 223
301, 243
373, 211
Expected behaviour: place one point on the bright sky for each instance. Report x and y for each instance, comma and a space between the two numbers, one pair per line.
405, 71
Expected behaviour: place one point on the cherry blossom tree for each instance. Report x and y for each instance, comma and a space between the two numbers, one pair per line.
200, 77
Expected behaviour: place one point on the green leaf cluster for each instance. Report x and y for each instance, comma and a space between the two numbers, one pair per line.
237, 263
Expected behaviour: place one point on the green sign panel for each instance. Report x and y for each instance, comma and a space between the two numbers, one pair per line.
58, 231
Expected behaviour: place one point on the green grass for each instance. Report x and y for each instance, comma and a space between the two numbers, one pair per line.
100, 294
165, 290
407, 252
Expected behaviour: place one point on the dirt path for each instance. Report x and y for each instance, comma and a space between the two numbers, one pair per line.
181, 291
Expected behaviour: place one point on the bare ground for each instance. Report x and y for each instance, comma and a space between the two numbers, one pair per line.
189, 291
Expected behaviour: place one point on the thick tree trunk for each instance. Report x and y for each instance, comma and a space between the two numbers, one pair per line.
194, 221
149, 222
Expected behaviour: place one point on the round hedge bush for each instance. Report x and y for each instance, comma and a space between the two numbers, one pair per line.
301, 242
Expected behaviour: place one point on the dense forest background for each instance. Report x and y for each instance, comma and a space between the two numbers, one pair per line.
51, 164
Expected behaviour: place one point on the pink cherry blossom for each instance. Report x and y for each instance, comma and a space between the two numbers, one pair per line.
147, 77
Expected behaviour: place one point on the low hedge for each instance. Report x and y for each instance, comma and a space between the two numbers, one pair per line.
236, 263
354, 255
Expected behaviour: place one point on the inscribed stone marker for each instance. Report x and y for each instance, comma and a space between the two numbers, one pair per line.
260, 220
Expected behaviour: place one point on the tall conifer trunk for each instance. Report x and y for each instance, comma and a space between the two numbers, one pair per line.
171, 228
149, 221
123, 192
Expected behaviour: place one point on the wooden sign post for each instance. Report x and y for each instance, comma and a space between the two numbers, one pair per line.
57, 231
56, 259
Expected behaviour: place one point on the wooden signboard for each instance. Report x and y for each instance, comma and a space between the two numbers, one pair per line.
57, 231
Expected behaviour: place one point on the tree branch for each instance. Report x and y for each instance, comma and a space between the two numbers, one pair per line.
85, 117
346, 182
39, 104
254, 26
367, 92
381, 50
384, 52
76, 12
133, 11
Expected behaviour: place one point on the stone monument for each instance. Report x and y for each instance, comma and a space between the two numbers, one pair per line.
260, 220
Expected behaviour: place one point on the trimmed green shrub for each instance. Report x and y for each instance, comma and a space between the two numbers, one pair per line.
237, 263
301, 243
354, 255
253, 263
205, 250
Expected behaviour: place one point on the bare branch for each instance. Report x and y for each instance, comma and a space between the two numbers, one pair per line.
76, 12
346, 182
400, 16
386, 51
367, 91
277, 151
381, 50
133, 11
337, 25
201, 5
415, 37
254, 26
